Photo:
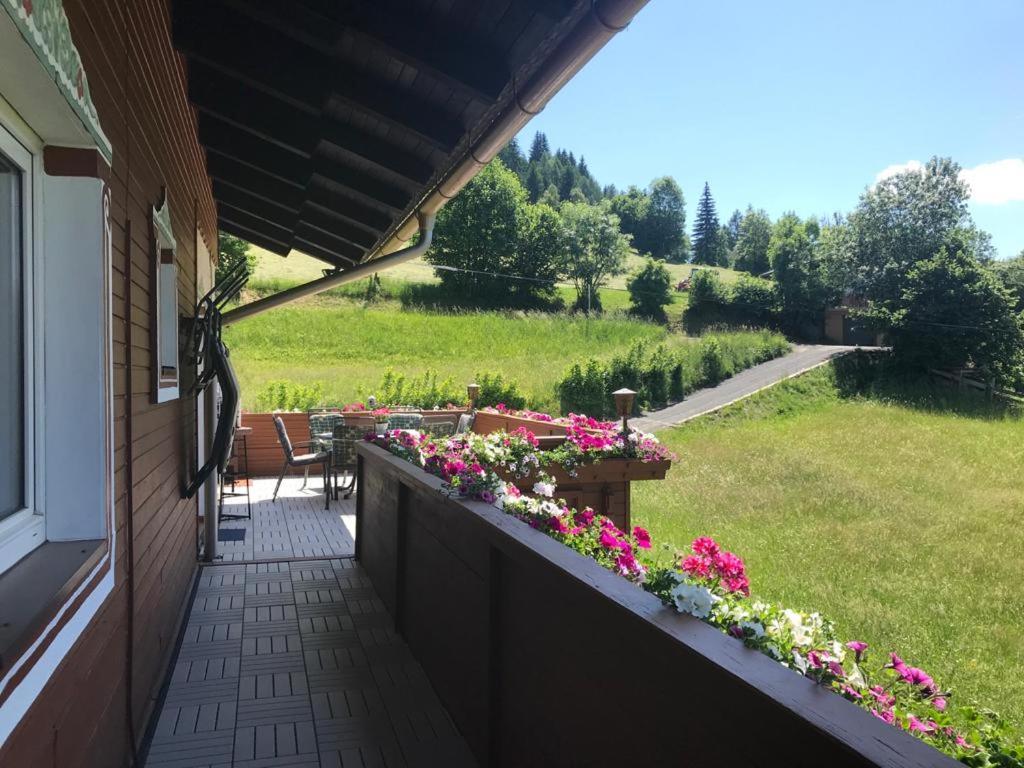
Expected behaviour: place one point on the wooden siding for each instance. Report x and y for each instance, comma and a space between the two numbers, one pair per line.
138, 84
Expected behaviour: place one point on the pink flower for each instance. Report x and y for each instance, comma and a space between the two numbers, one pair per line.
736, 631
939, 703
512, 491
585, 517
696, 566
850, 692
915, 676
728, 564
921, 726
857, 647
886, 716
643, 538
705, 545
814, 659
836, 669
738, 584
895, 662
556, 524
880, 695
608, 540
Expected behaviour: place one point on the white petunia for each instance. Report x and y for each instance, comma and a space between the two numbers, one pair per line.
694, 600
544, 489
754, 627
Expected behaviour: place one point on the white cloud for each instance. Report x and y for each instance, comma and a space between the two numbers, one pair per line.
996, 183
892, 170
993, 183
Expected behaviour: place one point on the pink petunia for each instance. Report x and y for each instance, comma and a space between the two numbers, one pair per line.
885, 716
920, 726
585, 517
608, 540
857, 647
852, 693
916, 676
939, 703
643, 538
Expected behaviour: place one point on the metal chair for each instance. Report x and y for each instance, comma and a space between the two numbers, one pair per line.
343, 454
321, 422
304, 460
405, 421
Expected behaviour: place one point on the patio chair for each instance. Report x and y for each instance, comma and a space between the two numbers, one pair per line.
305, 460
343, 454
321, 422
440, 428
405, 421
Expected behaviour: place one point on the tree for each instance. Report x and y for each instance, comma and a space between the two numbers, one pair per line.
732, 229
903, 220
539, 149
541, 254
480, 230
535, 184
631, 208
550, 197
597, 249
231, 251
707, 243
650, 289
514, 159
797, 273
754, 234
664, 221
953, 312
1011, 272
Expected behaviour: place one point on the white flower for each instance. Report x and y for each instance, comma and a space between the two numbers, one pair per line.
774, 651
694, 600
838, 650
544, 489
754, 627
802, 634
799, 662
551, 509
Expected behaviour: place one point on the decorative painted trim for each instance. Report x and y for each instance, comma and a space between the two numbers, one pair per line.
44, 25
75, 161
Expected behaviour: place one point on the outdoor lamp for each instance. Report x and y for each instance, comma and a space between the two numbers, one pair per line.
624, 406
473, 390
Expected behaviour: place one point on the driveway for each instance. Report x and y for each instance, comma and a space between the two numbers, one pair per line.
802, 358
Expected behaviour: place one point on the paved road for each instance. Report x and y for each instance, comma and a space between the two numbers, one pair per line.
802, 358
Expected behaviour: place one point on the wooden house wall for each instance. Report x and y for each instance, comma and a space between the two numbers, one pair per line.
137, 81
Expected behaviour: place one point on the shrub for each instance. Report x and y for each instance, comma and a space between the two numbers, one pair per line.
649, 289
584, 389
754, 301
424, 391
494, 389
283, 395
712, 363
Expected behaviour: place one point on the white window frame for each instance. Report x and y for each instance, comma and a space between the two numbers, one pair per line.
165, 306
23, 531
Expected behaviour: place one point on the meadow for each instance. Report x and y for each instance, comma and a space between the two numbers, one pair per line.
347, 344
895, 516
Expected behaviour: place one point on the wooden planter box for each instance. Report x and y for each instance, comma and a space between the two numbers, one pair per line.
604, 486
486, 422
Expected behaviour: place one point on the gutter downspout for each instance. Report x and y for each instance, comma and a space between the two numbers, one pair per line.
605, 19
426, 230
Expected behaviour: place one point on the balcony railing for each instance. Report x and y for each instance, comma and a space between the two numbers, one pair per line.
542, 657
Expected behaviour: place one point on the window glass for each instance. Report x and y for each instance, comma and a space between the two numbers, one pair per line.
12, 343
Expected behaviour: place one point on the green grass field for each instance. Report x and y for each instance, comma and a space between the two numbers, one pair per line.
899, 522
346, 346
274, 273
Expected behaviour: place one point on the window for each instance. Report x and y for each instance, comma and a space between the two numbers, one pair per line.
166, 309
21, 528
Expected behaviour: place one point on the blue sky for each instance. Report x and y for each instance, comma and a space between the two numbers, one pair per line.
800, 104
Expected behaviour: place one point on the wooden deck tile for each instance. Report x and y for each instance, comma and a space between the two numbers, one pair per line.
297, 665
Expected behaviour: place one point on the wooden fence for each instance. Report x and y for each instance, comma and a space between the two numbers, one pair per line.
542, 657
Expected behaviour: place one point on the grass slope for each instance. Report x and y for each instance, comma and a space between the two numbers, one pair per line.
346, 346
899, 522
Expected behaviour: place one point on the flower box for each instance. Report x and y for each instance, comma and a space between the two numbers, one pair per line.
486, 421
602, 486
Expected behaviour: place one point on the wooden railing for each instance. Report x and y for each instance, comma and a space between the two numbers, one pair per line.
542, 657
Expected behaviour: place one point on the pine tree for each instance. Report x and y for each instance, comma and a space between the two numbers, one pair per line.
584, 171
707, 242
514, 159
534, 183
540, 148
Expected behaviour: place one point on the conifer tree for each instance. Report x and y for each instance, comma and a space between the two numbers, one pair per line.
539, 149
707, 238
514, 159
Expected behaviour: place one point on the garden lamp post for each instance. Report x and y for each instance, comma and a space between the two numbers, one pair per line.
473, 390
624, 406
